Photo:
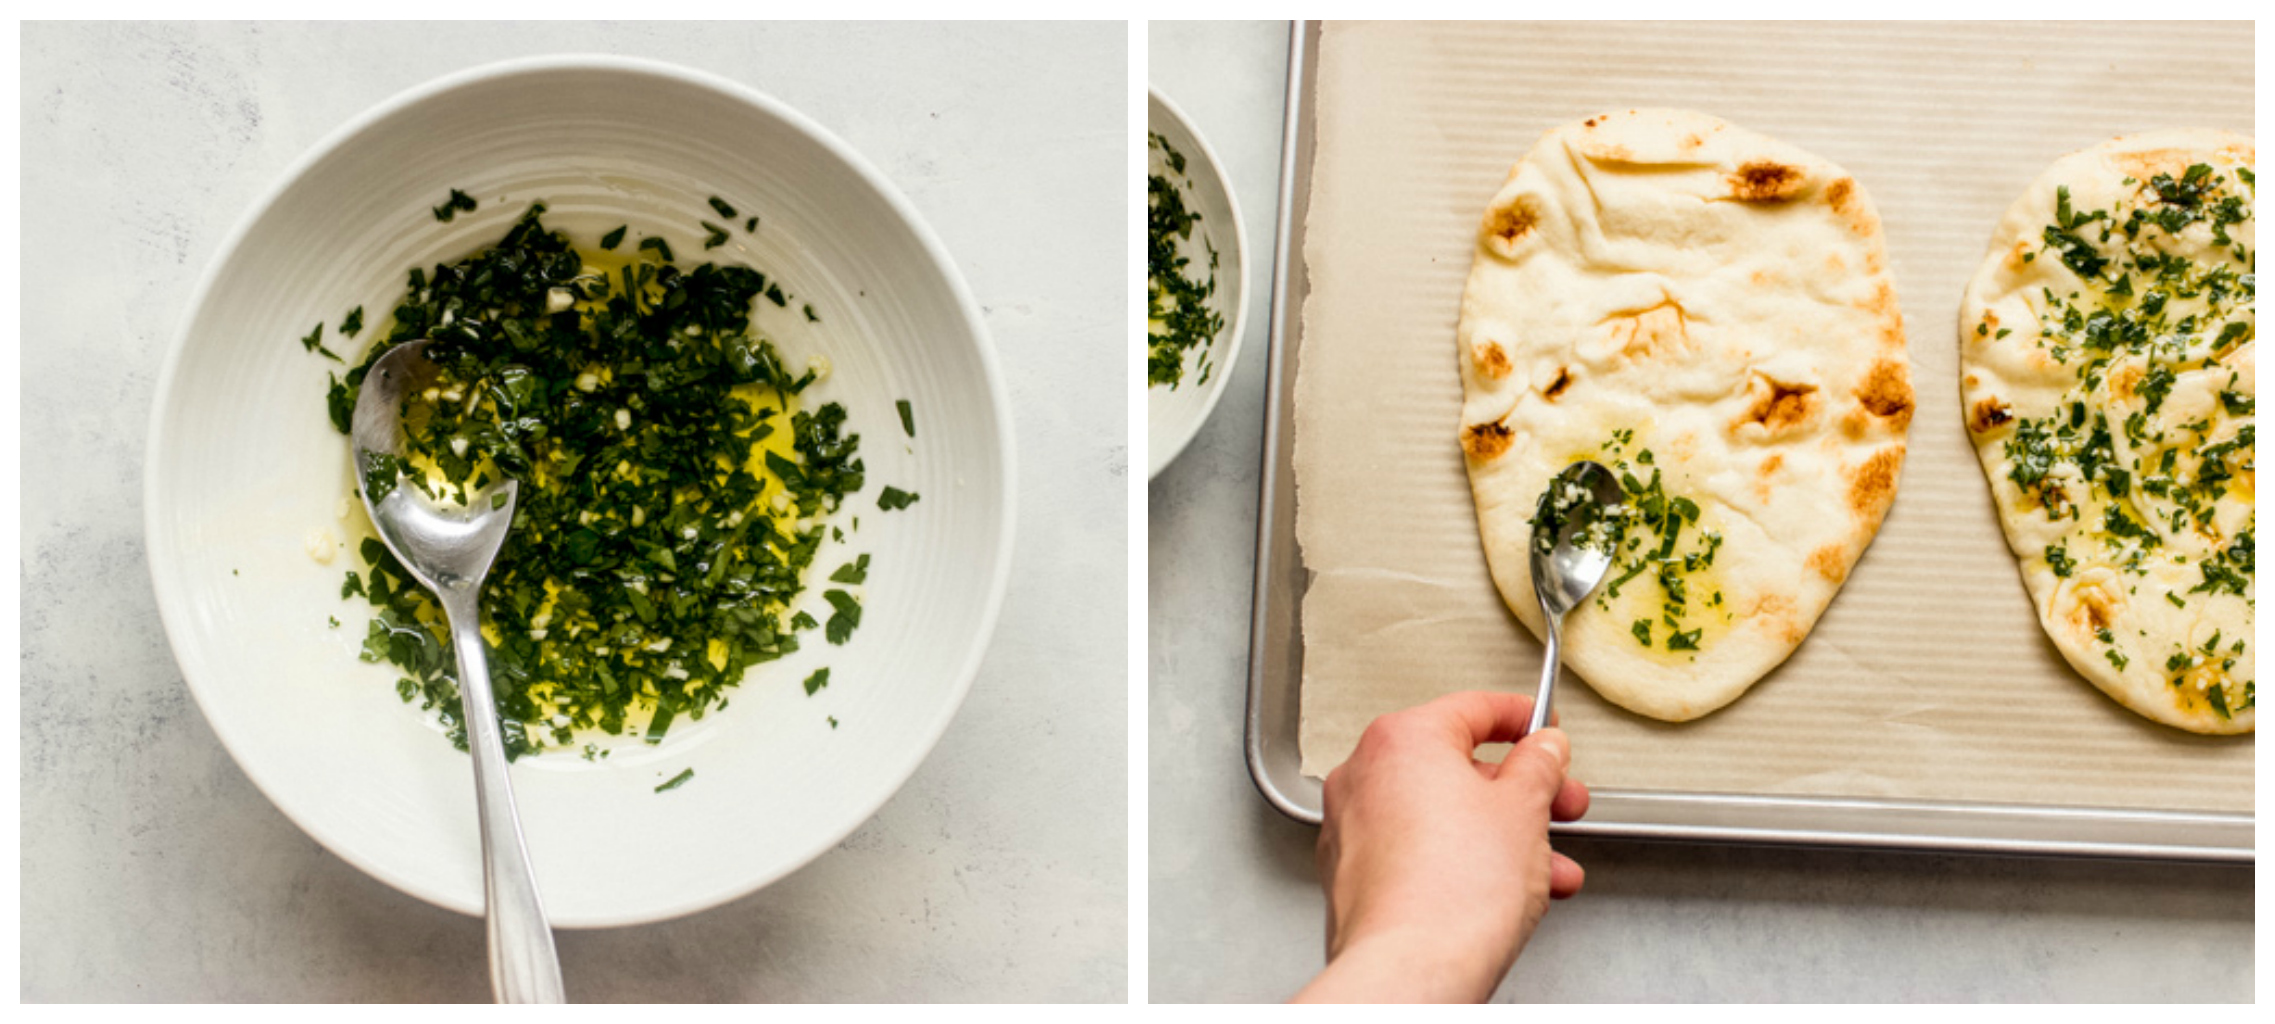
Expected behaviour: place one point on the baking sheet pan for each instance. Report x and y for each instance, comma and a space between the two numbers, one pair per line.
1791, 815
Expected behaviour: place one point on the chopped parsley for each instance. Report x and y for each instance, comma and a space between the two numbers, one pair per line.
1661, 544
314, 342
2138, 455
672, 488
677, 780
908, 417
1179, 318
844, 619
459, 202
893, 498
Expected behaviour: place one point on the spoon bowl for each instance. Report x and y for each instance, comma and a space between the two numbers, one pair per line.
448, 549
445, 546
1577, 528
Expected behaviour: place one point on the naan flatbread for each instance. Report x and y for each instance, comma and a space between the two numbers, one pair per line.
2107, 356
1708, 312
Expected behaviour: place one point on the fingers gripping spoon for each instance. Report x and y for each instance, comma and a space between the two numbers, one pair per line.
449, 549
1575, 531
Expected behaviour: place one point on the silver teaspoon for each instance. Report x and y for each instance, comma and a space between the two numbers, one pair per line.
448, 549
1575, 531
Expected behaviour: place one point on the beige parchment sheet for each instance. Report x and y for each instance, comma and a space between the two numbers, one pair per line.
1929, 677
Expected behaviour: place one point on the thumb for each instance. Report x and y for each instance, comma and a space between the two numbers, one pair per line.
1538, 762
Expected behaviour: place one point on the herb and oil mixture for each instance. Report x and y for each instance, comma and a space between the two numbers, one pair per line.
2151, 337
673, 491
1569, 506
1179, 318
1663, 550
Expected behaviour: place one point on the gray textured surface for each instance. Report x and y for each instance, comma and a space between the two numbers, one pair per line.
1236, 913
153, 870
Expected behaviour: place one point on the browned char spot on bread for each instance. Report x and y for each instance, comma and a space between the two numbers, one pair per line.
1505, 225
2144, 165
1492, 362
1779, 405
2019, 255
1882, 303
1873, 485
1488, 440
1831, 562
1765, 181
1887, 392
1988, 413
2094, 609
2125, 381
1779, 617
1849, 207
1839, 193
1556, 387
1657, 332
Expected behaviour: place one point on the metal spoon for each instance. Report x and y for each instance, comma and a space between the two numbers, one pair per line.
1576, 530
449, 549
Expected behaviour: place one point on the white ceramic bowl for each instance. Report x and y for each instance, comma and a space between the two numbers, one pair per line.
1173, 416
243, 467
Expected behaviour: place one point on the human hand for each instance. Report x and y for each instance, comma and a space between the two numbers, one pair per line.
1437, 865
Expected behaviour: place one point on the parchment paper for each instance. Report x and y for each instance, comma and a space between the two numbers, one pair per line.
1929, 677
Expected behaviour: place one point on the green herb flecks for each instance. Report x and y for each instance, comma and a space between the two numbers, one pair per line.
459, 202
672, 491
314, 342
1662, 544
1179, 318
2146, 454
908, 417
893, 498
677, 780
846, 617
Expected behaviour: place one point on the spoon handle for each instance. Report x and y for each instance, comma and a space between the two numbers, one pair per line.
523, 965
1548, 671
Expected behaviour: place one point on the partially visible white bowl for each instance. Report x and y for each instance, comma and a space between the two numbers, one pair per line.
243, 468
1174, 415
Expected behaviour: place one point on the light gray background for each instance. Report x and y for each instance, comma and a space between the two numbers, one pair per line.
152, 870
1236, 912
